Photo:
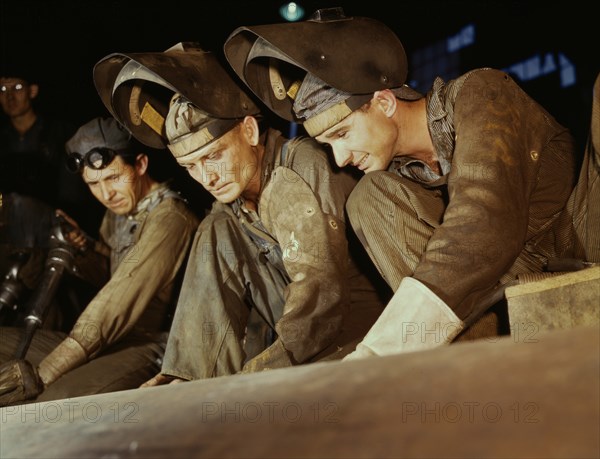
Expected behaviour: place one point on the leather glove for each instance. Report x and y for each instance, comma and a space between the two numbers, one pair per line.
415, 319
19, 381
275, 356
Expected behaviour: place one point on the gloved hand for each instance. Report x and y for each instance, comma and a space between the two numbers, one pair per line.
275, 356
19, 381
415, 319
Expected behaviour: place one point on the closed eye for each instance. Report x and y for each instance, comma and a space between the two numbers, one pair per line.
215, 155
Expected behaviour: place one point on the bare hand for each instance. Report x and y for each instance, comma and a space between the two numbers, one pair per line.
161, 379
75, 236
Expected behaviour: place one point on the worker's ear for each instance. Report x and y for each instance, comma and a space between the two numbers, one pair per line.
141, 164
34, 90
251, 130
386, 99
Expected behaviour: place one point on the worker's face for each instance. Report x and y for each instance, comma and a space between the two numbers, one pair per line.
119, 186
364, 139
16, 96
229, 167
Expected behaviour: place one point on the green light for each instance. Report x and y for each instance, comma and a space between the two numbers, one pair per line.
291, 11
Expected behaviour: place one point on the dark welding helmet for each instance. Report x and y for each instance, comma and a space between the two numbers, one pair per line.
350, 56
137, 88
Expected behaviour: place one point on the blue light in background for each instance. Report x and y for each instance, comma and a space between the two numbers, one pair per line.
539, 65
465, 37
442, 59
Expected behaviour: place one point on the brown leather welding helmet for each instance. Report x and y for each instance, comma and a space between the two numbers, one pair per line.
356, 55
136, 88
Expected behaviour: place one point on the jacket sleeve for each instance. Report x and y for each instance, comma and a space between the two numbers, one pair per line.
304, 210
500, 136
149, 268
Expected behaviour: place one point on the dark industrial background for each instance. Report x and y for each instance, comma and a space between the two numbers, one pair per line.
548, 47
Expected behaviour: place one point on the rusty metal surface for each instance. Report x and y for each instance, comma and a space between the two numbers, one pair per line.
520, 396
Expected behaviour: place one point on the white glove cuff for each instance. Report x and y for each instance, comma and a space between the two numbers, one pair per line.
415, 319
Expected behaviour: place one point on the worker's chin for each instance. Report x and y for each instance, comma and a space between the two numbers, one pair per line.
120, 208
227, 194
374, 168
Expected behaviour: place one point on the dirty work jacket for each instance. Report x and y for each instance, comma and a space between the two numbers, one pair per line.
507, 170
583, 208
291, 260
302, 207
147, 248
